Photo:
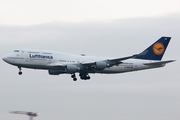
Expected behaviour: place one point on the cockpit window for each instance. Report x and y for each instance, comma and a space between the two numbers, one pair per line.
16, 50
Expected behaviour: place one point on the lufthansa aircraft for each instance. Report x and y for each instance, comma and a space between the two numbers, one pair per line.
64, 63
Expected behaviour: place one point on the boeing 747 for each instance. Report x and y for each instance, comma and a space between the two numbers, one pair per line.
64, 63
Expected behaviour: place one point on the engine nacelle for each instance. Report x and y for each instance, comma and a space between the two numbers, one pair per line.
55, 72
72, 68
101, 65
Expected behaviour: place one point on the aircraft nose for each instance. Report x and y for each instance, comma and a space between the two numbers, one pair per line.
4, 58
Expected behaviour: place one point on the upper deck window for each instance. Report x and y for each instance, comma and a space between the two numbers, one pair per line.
16, 50
46, 53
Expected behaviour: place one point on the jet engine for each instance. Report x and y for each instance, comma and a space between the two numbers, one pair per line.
101, 65
55, 72
72, 68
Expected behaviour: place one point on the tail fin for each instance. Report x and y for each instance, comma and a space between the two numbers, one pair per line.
156, 50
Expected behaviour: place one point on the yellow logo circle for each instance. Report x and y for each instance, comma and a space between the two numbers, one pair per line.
158, 48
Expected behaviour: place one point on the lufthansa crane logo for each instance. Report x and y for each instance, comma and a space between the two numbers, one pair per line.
158, 48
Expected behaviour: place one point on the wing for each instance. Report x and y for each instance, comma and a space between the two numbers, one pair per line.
116, 61
99, 65
89, 66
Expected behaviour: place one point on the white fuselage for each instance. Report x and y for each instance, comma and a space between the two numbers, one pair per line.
40, 59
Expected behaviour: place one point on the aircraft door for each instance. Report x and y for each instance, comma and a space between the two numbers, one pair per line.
25, 56
45, 60
135, 66
78, 61
17, 55
49, 60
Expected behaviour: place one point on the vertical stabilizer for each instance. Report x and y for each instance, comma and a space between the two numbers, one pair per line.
156, 50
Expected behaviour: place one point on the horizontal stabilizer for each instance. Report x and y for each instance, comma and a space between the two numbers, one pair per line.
159, 63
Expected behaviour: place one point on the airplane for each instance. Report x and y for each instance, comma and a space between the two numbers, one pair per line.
65, 63
30, 114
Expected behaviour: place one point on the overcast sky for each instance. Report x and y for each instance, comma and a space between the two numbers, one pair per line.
97, 27
21, 12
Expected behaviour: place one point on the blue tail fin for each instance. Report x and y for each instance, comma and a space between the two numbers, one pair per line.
156, 50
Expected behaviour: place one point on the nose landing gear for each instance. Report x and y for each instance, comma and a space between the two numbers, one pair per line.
20, 73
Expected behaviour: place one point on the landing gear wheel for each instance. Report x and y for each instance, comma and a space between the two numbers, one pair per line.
20, 73
73, 76
84, 76
75, 79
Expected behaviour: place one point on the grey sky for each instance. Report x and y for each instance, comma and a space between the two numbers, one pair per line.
21, 12
143, 95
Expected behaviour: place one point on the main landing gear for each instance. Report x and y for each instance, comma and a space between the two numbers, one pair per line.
74, 77
20, 73
84, 76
